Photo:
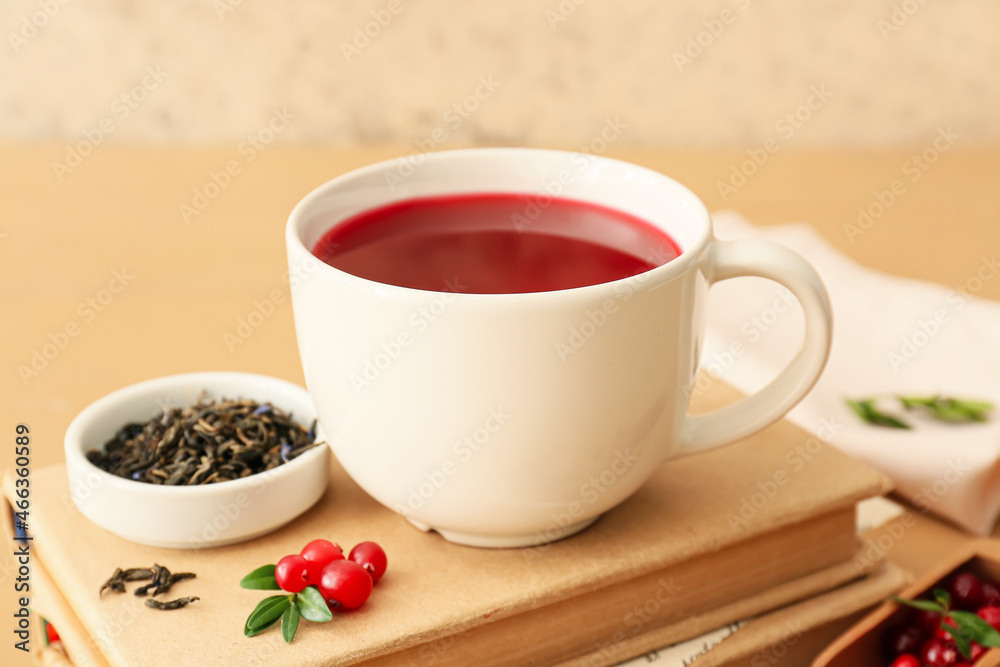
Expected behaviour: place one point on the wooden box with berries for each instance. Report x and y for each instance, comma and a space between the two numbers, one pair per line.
950, 617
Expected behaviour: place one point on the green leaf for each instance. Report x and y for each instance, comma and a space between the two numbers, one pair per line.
290, 622
913, 402
955, 415
977, 406
925, 605
942, 597
312, 606
261, 579
941, 408
951, 410
976, 628
266, 614
962, 642
866, 410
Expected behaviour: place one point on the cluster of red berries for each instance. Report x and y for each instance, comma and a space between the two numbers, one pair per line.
923, 640
344, 583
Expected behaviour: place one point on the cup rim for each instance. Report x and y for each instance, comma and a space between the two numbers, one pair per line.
660, 274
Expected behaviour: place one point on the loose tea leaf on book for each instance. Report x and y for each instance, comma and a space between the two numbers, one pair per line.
179, 603
160, 578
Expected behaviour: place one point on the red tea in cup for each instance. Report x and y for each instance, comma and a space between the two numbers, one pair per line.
487, 244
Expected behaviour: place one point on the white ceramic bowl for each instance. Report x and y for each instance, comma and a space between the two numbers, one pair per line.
190, 517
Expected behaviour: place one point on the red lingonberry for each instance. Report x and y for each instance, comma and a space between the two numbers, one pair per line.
345, 584
926, 621
320, 553
292, 573
371, 557
903, 639
976, 651
906, 660
991, 615
991, 594
966, 591
50, 633
939, 653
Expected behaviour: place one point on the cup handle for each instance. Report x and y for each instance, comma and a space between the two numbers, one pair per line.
755, 257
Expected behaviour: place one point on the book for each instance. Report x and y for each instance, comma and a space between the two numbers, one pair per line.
796, 634
705, 532
50, 602
787, 637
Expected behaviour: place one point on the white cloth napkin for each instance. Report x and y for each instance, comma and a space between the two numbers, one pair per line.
891, 336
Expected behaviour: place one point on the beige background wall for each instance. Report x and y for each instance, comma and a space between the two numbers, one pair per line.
894, 71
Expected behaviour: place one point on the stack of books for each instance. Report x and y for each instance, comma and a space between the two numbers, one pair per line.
762, 529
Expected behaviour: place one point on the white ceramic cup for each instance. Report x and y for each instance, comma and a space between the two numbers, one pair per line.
516, 419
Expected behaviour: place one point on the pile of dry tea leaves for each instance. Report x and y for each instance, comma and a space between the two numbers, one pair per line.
205, 443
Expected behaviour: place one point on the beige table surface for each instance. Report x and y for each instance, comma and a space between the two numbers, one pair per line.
164, 292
